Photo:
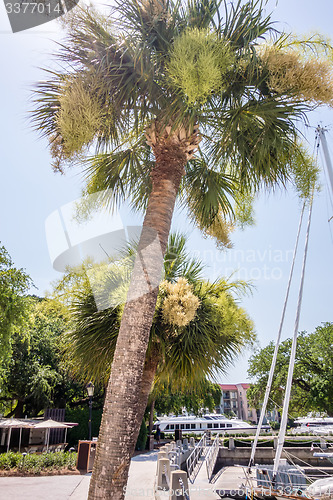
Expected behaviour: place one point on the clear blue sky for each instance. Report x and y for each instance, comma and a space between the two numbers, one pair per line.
30, 192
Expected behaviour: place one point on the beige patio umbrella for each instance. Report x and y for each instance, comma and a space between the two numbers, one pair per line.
14, 423
48, 425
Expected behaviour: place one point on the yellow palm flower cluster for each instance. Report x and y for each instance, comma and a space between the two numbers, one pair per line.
309, 79
198, 64
180, 304
79, 116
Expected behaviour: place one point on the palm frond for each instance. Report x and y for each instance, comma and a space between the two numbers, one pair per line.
200, 13
178, 263
153, 23
246, 23
312, 45
95, 297
122, 173
257, 138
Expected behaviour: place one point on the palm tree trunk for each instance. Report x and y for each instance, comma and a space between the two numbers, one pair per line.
148, 376
123, 405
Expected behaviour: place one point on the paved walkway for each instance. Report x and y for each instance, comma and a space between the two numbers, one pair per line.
140, 484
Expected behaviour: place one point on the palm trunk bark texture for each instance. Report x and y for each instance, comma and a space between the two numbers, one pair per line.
124, 407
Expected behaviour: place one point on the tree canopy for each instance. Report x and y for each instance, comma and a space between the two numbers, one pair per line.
14, 285
157, 68
312, 388
35, 376
205, 397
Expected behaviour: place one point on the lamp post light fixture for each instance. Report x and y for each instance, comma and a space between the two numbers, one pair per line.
90, 390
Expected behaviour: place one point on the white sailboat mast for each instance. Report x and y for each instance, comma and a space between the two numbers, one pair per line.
321, 132
276, 350
284, 418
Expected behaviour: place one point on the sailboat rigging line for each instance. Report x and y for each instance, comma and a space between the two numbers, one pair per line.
284, 418
290, 455
271, 372
281, 407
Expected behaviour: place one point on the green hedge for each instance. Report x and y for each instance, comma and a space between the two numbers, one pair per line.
81, 431
142, 438
36, 463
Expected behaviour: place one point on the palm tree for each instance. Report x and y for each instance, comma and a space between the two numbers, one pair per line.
146, 85
182, 351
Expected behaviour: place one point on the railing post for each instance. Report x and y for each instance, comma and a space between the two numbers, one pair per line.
323, 444
185, 444
163, 474
162, 454
192, 442
179, 486
231, 443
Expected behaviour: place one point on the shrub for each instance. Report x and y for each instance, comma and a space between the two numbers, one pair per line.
142, 438
9, 460
36, 463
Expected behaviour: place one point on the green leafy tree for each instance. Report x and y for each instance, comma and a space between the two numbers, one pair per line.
14, 284
147, 85
313, 373
35, 376
205, 396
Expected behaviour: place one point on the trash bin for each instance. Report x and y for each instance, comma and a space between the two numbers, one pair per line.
178, 434
86, 456
150, 442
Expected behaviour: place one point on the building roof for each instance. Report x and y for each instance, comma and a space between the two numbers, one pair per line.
233, 387
228, 387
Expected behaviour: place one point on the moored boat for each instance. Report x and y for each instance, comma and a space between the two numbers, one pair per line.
209, 422
314, 425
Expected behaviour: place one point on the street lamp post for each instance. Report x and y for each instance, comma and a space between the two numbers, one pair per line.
90, 390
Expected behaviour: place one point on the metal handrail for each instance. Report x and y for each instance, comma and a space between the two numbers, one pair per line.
212, 456
192, 460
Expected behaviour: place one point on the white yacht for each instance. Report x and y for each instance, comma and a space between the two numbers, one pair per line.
314, 425
209, 422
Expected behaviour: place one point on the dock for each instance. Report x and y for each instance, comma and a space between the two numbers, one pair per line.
227, 481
